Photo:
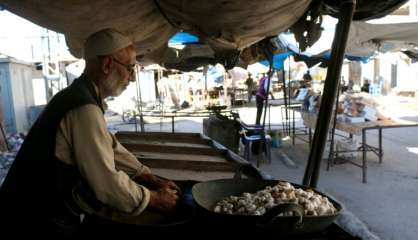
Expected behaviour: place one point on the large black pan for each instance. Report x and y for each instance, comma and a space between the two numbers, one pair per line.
207, 194
178, 219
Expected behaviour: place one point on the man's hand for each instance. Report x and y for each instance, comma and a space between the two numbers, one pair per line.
155, 183
170, 185
164, 199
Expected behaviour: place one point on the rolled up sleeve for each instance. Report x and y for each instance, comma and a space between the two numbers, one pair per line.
126, 161
93, 150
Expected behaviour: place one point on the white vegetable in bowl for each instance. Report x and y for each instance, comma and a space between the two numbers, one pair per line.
258, 203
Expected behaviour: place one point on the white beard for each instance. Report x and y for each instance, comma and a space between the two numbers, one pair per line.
113, 86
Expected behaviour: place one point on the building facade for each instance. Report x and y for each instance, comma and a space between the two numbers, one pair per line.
16, 93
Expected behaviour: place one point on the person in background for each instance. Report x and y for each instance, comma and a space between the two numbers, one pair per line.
261, 96
343, 85
250, 86
71, 166
350, 85
307, 77
366, 86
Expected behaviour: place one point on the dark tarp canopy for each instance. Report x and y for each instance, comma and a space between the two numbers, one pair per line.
229, 30
227, 26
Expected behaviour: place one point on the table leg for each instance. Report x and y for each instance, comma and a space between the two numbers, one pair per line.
172, 124
283, 126
380, 146
310, 136
135, 123
269, 118
331, 153
293, 128
364, 156
288, 121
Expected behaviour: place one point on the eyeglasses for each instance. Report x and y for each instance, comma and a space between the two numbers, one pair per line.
129, 67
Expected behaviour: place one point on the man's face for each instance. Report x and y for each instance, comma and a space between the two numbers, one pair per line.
121, 74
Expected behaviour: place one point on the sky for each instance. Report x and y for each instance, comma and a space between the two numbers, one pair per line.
21, 39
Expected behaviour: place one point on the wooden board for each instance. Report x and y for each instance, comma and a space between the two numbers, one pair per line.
185, 156
193, 138
181, 149
184, 153
162, 143
194, 175
185, 161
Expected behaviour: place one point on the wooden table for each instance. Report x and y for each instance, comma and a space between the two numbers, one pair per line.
360, 129
185, 156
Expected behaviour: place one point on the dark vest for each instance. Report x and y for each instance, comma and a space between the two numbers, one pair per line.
36, 193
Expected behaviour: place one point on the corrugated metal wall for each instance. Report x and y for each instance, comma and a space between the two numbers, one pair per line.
22, 92
16, 95
6, 98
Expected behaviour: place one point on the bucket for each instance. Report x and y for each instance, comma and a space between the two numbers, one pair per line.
276, 139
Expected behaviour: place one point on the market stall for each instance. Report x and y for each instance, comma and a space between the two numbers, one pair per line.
360, 129
231, 28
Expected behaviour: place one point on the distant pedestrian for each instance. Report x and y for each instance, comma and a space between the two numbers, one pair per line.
250, 86
261, 96
366, 86
307, 77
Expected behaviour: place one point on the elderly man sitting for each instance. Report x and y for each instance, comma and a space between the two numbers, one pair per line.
70, 165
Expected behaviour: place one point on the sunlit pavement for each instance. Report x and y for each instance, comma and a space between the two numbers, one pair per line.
386, 204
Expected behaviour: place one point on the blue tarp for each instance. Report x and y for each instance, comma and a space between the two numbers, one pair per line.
278, 60
327, 56
309, 59
324, 59
285, 41
183, 38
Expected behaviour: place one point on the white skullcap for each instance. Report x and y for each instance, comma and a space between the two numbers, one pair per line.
105, 42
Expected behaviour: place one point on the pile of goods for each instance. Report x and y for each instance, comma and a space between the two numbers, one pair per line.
311, 100
14, 141
359, 107
258, 203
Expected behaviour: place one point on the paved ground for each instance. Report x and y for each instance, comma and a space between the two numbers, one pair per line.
386, 204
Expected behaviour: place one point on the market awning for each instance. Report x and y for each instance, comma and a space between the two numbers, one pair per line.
226, 27
366, 39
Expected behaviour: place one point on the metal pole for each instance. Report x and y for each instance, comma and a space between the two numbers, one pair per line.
331, 145
136, 123
172, 124
330, 91
267, 92
293, 127
363, 138
380, 145
269, 118
266, 101
289, 89
139, 96
285, 97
